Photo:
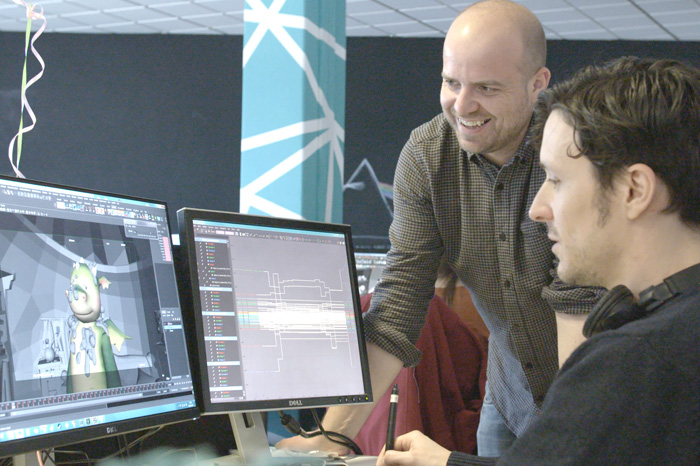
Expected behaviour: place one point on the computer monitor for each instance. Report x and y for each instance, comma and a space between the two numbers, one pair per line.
369, 270
91, 336
277, 317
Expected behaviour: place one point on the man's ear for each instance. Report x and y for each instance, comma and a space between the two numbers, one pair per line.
540, 81
645, 191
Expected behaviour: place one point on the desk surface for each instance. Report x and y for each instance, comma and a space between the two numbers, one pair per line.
300, 460
362, 460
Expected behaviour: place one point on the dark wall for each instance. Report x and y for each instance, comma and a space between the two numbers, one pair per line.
565, 57
392, 86
156, 116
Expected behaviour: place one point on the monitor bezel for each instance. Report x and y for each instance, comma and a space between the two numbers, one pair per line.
186, 217
59, 439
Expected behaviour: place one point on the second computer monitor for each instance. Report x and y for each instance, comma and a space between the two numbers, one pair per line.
276, 312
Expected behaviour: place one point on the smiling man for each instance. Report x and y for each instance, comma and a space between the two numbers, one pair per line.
464, 183
620, 145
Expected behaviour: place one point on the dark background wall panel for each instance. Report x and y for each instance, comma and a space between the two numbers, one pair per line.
149, 115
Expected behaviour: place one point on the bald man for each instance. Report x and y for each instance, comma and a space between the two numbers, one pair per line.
463, 186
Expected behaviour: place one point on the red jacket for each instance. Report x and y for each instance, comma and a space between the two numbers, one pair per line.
442, 395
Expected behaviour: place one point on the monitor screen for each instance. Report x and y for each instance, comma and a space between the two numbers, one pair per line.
369, 270
91, 333
276, 312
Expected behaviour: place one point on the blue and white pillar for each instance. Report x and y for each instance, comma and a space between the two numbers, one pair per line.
293, 118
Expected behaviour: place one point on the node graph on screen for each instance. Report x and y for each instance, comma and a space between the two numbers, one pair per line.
276, 315
91, 335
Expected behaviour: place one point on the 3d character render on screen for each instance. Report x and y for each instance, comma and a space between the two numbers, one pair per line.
91, 334
85, 345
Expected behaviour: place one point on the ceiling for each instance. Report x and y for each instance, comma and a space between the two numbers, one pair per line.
668, 20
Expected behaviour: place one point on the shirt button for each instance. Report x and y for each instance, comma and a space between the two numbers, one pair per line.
502, 236
499, 187
539, 399
528, 365
506, 284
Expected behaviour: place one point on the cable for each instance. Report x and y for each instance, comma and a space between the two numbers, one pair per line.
46, 456
72, 462
339, 438
293, 426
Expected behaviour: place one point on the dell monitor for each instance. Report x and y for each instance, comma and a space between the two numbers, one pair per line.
277, 318
91, 335
370, 266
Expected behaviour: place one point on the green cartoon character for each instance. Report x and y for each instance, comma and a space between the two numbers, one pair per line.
91, 365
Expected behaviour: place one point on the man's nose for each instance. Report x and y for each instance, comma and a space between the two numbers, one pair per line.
540, 210
465, 102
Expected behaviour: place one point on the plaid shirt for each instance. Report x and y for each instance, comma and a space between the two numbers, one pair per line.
447, 201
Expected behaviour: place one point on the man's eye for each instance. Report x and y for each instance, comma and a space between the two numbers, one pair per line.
449, 82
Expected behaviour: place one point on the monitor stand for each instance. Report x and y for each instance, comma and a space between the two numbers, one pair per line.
252, 447
251, 441
251, 438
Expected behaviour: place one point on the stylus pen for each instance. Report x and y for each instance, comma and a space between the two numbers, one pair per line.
391, 427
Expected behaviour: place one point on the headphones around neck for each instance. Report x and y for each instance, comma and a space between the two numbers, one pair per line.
617, 307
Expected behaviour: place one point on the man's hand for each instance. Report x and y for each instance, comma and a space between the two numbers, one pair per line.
414, 449
318, 443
